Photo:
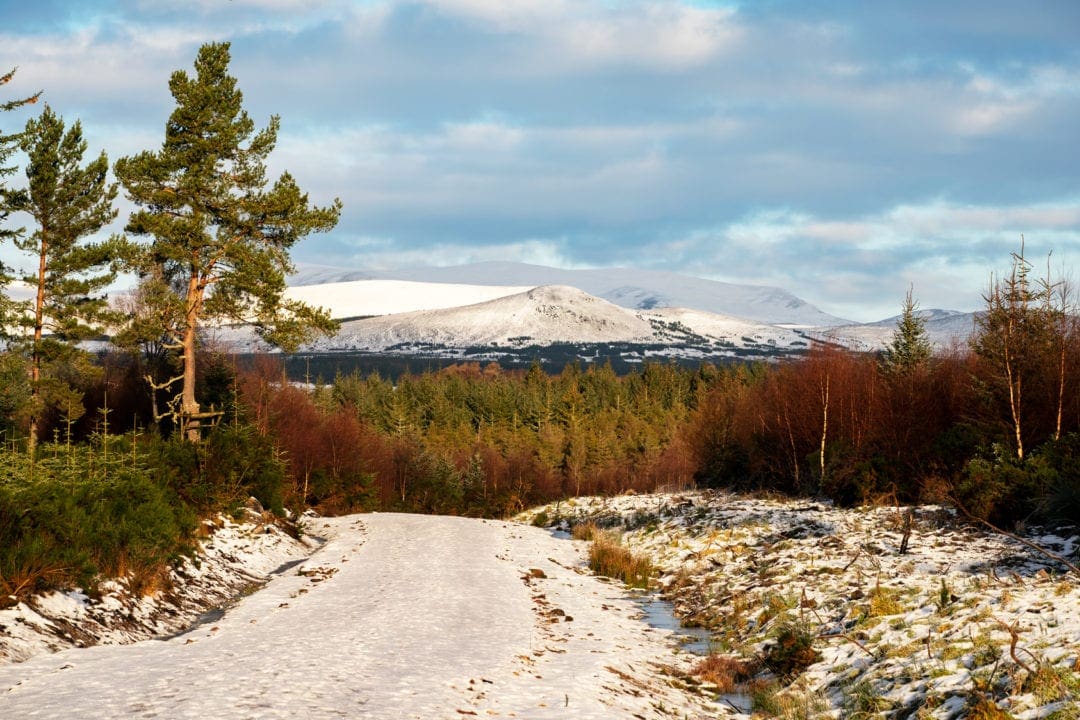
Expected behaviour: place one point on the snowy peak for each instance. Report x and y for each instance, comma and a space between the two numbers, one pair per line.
628, 288
538, 316
557, 315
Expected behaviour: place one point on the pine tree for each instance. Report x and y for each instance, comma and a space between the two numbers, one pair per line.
9, 143
221, 232
910, 348
68, 203
1015, 341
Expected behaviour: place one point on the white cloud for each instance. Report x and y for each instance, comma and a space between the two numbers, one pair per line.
384, 254
660, 34
856, 267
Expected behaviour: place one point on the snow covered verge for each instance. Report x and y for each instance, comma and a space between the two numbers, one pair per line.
234, 558
964, 624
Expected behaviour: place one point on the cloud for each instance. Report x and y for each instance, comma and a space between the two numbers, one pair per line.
826, 147
857, 267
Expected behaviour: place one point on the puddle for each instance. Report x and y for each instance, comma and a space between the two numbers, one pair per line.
660, 614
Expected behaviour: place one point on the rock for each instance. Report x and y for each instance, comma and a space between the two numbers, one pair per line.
253, 504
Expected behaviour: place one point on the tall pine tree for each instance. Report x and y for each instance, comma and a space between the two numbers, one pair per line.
9, 143
68, 203
221, 231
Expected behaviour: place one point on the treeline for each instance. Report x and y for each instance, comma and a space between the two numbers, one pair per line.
475, 439
992, 426
989, 426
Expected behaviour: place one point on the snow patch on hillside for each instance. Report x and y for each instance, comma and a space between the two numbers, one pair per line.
359, 298
945, 329
630, 288
540, 316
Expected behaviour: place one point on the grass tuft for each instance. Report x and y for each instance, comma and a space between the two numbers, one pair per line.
726, 672
607, 557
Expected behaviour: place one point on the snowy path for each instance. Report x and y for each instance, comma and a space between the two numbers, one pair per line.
396, 616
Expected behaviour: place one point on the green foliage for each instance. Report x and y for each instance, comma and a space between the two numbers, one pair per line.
14, 392
485, 441
68, 202
8, 198
216, 221
1002, 487
70, 519
910, 347
235, 463
792, 651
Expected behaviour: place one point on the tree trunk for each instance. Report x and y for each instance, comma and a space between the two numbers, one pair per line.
189, 406
1012, 376
35, 355
824, 422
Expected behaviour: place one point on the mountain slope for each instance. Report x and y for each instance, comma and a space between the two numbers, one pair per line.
384, 297
944, 328
635, 289
539, 316
550, 315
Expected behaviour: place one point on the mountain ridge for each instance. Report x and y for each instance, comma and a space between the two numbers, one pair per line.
627, 287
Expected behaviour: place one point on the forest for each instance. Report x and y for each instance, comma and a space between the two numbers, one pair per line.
121, 427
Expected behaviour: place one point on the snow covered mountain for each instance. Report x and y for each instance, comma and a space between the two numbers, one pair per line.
629, 288
553, 314
358, 298
944, 328
511, 309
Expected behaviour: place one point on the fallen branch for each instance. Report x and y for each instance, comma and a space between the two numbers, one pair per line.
1014, 637
1034, 546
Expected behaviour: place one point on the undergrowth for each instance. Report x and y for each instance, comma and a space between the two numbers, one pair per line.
119, 508
607, 557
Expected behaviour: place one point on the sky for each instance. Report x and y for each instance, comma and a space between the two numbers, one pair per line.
843, 151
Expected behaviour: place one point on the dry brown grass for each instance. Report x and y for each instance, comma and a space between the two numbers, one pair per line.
983, 708
607, 557
726, 672
585, 531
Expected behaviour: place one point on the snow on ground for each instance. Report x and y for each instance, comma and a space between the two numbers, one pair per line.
235, 558
385, 297
405, 616
925, 634
395, 616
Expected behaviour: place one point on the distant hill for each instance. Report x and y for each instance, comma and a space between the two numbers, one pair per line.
515, 311
944, 328
547, 315
629, 288
358, 298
